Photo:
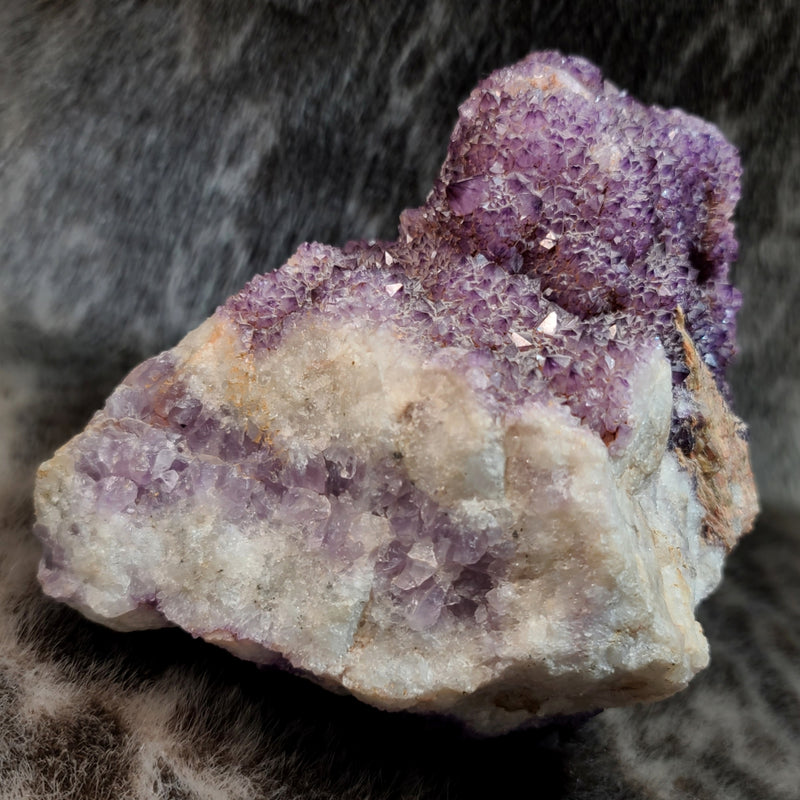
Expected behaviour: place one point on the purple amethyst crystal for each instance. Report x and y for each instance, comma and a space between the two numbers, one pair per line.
486, 469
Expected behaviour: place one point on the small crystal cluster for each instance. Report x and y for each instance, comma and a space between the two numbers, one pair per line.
370, 414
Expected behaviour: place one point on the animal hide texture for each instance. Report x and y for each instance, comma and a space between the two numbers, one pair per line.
153, 157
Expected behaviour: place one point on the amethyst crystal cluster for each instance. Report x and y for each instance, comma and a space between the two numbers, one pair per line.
487, 469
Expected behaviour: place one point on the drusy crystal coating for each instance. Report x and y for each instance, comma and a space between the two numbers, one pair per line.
487, 469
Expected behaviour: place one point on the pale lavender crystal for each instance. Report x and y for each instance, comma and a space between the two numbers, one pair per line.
568, 221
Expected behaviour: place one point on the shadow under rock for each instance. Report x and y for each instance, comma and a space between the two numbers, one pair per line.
734, 731
236, 713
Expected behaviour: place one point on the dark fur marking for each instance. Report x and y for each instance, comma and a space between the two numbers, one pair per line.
87, 753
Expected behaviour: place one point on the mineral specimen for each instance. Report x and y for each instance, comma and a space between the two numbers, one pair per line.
487, 469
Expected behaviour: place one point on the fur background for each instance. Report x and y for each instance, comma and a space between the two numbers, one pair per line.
153, 157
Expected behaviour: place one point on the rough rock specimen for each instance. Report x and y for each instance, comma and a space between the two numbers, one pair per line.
487, 469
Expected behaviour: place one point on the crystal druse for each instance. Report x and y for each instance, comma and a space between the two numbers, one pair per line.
487, 469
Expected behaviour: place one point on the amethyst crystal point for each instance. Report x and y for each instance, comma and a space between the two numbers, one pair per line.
487, 469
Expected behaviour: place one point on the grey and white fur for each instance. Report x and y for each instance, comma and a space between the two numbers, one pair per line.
153, 157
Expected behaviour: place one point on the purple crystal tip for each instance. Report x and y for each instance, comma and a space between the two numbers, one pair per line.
616, 207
